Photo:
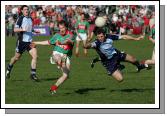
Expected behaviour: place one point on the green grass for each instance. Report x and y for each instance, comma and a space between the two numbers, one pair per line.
85, 85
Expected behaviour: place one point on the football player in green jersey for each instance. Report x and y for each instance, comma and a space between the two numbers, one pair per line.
82, 31
63, 44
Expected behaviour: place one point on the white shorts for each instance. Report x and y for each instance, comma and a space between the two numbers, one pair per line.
62, 55
83, 36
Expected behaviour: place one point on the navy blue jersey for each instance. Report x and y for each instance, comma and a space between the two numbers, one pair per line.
104, 49
25, 23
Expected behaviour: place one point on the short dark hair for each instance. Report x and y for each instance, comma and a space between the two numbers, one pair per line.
62, 22
99, 31
22, 7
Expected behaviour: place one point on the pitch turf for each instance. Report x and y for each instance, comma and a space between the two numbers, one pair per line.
85, 85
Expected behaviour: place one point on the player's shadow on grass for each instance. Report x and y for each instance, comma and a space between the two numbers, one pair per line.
17, 80
86, 90
49, 79
133, 90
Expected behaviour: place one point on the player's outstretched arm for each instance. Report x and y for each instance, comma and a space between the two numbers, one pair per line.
128, 37
41, 42
19, 29
87, 46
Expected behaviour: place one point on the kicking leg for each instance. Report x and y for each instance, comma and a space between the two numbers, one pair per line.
57, 59
65, 70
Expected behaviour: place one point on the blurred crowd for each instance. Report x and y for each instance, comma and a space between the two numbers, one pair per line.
134, 19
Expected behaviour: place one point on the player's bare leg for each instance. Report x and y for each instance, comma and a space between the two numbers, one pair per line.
33, 53
13, 60
127, 37
90, 37
152, 60
85, 50
133, 60
77, 48
118, 75
65, 73
57, 58
130, 58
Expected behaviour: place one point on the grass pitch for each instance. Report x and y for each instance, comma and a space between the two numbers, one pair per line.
85, 85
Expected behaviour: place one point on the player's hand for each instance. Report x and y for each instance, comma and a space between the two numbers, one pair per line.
89, 39
33, 45
24, 30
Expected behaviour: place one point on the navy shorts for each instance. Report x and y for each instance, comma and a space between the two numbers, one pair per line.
112, 64
113, 37
22, 46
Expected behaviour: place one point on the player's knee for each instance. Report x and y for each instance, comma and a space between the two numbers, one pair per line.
120, 79
16, 58
35, 57
65, 75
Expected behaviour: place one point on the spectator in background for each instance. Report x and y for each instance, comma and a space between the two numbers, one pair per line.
51, 26
91, 20
47, 13
59, 17
152, 20
10, 26
146, 24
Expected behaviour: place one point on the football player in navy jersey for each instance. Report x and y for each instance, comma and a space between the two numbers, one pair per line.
24, 29
110, 56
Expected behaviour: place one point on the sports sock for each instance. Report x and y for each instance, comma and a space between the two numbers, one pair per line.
33, 71
141, 66
53, 87
9, 68
136, 63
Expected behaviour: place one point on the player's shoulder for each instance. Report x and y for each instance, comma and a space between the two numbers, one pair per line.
56, 35
20, 17
97, 42
19, 20
109, 40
